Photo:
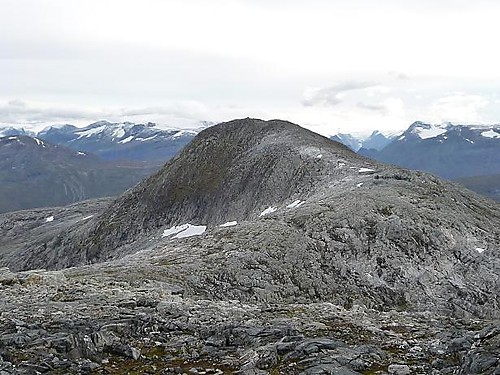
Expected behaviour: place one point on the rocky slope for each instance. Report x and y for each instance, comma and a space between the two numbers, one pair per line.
301, 257
35, 173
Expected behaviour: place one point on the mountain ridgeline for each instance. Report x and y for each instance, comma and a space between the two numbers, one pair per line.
231, 171
122, 141
450, 151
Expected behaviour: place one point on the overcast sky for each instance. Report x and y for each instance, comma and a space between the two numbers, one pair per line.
329, 65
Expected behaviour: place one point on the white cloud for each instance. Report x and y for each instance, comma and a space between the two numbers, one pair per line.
399, 75
332, 95
393, 107
19, 111
377, 90
459, 107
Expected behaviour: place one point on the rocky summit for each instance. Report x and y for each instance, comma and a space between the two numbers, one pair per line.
261, 248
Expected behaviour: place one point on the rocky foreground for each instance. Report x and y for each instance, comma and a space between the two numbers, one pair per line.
107, 320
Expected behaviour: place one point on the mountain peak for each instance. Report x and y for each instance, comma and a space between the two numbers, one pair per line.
263, 195
426, 131
11, 131
232, 171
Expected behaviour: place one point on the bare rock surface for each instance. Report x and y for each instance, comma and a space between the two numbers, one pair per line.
102, 319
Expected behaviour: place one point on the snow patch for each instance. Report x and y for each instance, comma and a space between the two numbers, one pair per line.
491, 134
429, 131
118, 133
174, 230
49, 219
126, 140
468, 140
181, 133
81, 153
146, 139
184, 230
229, 224
268, 211
91, 132
192, 230
319, 156
87, 217
296, 204
359, 185
366, 170
480, 250
39, 142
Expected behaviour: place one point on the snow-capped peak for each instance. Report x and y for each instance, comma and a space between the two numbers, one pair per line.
444, 131
491, 133
427, 131
11, 131
57, 126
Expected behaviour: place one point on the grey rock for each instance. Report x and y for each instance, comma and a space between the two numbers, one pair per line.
315, 345
329, 369
482, 363
398, 369
134, 353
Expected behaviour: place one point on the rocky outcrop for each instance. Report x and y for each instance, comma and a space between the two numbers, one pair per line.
93, 320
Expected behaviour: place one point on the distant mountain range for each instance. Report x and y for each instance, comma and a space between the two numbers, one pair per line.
469, 154
10, 131
488, 185
64, 164
450, 151
376, 140
126, 140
